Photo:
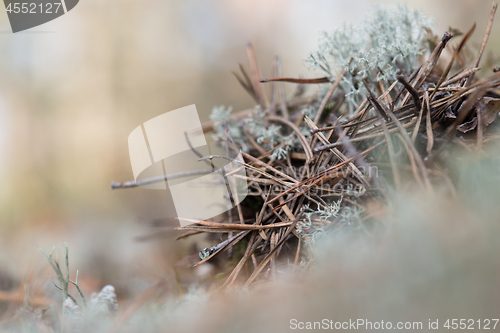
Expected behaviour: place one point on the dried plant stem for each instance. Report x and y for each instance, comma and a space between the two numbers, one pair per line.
455, 54
300, 136
487, 32
152, 180
390, 148
329, 94
64, 281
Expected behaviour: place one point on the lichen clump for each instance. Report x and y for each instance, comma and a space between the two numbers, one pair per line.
383, 45
267, 136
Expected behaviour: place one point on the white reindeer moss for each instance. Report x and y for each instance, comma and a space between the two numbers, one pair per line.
386, 43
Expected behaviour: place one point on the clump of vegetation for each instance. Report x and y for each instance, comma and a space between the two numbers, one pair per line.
391, 118
385, 120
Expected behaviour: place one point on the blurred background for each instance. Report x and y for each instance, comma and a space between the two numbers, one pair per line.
73, 89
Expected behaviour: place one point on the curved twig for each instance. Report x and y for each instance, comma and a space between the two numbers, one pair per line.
300, 136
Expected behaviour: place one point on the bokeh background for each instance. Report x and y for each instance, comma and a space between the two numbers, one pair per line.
73, 89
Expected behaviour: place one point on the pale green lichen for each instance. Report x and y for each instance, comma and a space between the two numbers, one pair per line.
268, 137
313, 230
220, 116
387, 43
351, 215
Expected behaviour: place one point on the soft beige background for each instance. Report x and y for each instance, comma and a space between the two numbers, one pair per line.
73, 89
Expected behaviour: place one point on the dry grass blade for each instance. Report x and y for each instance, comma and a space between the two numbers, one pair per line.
493, 10
412, 91
231, 179
419, 120
297, 254
390, 147
413, 165
246, 83
455, 54
273, 90
430, 135
300, 136
329, 94
257, 85
479, 144
274, 241
281, 93
459, 76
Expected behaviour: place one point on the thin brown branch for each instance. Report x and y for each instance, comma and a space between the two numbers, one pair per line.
300, 136
329, 94
455, 54
412, 91
486, 35
294, 80
152, 180
257, 85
